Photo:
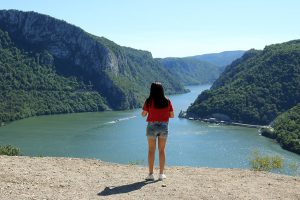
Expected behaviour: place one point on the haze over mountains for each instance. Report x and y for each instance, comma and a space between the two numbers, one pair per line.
255, 89
221, 59
199, 69
189, 71
49, 66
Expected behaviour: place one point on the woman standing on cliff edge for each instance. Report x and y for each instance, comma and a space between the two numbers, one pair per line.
159, 109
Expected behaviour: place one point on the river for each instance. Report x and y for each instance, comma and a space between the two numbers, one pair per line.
119, 136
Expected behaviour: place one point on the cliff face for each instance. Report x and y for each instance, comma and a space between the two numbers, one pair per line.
98, 61
64, 41
30, 85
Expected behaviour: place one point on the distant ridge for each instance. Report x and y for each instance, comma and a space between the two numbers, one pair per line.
190, 71
201, 69
221, 59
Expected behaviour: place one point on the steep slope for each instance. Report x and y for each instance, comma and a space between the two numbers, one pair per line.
30, 86
255, 88
233, 70
287, 129
190, 71
117, 73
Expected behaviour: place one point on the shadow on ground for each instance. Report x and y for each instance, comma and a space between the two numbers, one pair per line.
124, 188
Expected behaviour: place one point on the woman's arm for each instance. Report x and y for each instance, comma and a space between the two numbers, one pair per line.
171, 114
144, 113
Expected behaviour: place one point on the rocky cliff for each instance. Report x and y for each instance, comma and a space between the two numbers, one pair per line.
121, 75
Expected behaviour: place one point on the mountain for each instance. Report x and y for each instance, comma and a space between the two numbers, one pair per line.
287, 129
255, 88
201, 69
221, 59
48, 63
29, 85
189, 71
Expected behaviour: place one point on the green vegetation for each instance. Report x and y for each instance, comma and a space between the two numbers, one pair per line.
10, 150
30, 86
136, 71
267, 163
287, 129
221, 59
48, 66
272, 163
255, 88
200, 69
190, 71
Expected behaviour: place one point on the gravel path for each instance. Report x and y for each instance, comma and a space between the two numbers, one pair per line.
72, 178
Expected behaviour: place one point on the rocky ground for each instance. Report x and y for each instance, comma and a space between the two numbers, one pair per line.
73, 178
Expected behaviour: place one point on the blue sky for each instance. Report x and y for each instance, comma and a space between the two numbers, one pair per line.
176, 28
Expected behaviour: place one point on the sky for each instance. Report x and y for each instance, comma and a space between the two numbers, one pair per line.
177, 28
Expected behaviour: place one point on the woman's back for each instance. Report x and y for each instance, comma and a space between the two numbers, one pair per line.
158, 114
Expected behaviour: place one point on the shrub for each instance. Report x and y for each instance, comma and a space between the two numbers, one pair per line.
267, 163
10, 150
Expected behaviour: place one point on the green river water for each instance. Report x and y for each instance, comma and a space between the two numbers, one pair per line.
119, 136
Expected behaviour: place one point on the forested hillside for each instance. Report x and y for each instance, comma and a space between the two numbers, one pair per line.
255, 88
221, 59
287, 129
201, 69
189, 71
49, 66
29, 85
116, 72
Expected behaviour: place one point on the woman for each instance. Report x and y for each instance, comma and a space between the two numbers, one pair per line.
159, 109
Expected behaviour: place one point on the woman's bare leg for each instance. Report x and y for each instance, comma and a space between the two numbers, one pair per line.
162, 156
151, 153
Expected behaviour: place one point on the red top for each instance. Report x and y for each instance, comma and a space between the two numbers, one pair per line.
158, 114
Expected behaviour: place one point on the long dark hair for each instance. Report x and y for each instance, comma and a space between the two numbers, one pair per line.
157, 96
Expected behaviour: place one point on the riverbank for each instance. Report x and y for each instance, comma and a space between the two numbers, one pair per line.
183, 114
73, 178
264, 130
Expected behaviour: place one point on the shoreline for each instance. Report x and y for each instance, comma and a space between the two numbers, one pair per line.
182, 115
5, 123
261, 128
25, 177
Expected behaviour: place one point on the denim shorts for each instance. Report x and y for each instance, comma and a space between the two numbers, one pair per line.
157, 129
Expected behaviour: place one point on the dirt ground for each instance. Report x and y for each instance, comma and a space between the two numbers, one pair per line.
72, 178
